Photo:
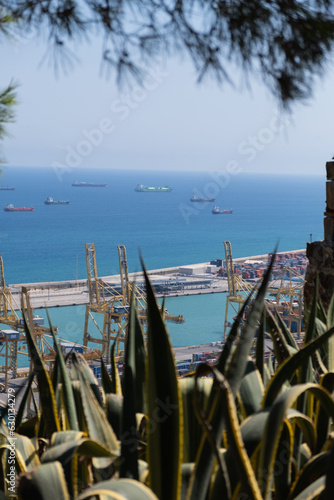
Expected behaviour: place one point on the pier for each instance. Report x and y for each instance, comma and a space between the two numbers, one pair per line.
193, 279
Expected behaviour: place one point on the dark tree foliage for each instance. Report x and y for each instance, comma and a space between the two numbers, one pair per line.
7, 103
286, 42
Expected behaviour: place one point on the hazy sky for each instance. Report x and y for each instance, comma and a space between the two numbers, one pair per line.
82, 119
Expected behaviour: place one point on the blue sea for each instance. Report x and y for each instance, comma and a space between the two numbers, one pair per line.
166, 228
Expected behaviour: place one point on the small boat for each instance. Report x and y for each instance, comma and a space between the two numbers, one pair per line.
216, 211
11, 208
6, 188
140, 188
200, 200
51, 201
87, 184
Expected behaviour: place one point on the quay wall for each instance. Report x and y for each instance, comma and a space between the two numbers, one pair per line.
163, 271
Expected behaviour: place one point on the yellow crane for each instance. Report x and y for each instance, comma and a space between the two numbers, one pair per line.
113, 305
13, 339
285, 292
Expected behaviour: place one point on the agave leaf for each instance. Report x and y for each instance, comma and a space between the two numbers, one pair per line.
113, 407
67, 392
119, 489
65, 436
46, 481
282, 472
274, 427
46, 393
289, 338
286, 370
78, 403
315, 468
129, 439
86, 447
322, 420
82, 372
164, 406
233, 334
282, 348
313, 491
329, 489
23, 402
259, 348
249, 485
251, 390
234, 374
107, 383
238, 363
117, 389
329, 318
28, 452
97, 423
192, 429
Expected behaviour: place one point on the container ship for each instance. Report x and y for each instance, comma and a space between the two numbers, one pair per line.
216, 211
11, 208
152, 189
51, 201
88, 184
200, 200
7, 188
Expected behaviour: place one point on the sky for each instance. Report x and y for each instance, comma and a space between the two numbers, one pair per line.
171, 123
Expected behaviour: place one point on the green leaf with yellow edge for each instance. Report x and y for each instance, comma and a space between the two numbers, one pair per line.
316, 467
82, 372
251, 390
252, 431
65, 436
274, 425
98, 426
287, 369
249, 486
117, 387
119, 489
45, 482
113, 408
322, 419
23, 402
29, 454
46, 393
192, 433
234, 375
106, 381
313, 491
129, 437
66, 392
164, 406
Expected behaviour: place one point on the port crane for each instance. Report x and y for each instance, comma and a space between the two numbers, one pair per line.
285, 292
13, 339
113, 305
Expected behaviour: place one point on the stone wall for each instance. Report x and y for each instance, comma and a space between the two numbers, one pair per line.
321, 253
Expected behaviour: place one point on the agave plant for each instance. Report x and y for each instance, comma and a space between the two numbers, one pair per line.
242, 428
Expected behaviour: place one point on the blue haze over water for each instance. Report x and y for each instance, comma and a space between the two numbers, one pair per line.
169, 230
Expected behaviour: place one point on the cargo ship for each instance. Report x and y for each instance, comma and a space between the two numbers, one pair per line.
200, 200
140, 188
216, 211
7, 188
51, 201
87, 184
11, 208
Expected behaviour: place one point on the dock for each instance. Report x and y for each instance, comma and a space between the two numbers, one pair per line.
193, 279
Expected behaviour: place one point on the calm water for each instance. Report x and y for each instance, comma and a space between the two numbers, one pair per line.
169, 230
